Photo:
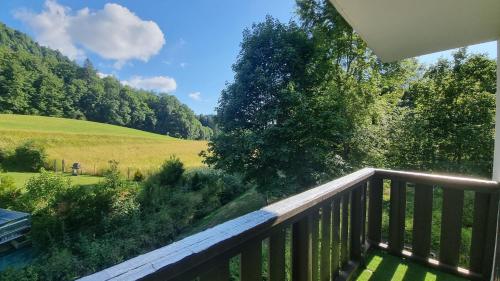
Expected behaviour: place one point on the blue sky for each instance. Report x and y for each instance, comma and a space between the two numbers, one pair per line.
184, 47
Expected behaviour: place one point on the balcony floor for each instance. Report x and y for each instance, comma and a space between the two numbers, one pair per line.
384, 267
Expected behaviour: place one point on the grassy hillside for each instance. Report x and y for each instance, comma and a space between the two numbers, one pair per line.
94, 144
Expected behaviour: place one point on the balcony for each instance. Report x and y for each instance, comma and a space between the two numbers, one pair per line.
339, 231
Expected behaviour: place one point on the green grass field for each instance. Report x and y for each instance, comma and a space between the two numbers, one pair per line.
21, 178
94, 144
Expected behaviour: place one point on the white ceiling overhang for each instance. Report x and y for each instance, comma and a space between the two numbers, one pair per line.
397, 29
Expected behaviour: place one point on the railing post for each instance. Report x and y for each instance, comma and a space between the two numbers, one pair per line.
251, 262
422, 220
356, 220
375, 210
451, 226
397, 216
302, 250
335, 260
277, 256
326, 226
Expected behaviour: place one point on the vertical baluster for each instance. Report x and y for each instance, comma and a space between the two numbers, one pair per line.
491, 235
326, 226
481, 206
219, 273
422, 221
301, 250
315, 245
356, 220
335, 260
375, 210
397, 216
364, 202
251, 262
277, 256
344, 239
451, 226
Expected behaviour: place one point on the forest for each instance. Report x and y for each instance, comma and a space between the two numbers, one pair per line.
36, 80
309, 102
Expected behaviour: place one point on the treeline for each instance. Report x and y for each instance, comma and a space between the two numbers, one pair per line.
310, 102
36, 80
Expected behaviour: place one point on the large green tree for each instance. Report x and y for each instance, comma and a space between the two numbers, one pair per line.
447, 121
301, 99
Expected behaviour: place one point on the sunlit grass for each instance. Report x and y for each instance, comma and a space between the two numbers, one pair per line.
384, 267
94, 144
21, 178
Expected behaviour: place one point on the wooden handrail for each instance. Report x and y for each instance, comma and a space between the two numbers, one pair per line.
434, 179
195, 255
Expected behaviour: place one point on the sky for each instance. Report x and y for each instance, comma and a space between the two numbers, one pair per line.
185, 48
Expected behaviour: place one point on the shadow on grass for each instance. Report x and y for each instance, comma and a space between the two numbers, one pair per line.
383, 267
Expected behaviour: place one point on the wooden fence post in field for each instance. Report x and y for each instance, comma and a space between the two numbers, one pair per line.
62, 169
55, 165
128, 173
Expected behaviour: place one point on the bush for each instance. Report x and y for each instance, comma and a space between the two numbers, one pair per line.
8, 192
29, 157
171, 171
138, 176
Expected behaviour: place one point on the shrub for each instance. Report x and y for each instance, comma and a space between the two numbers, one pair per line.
28, 157
171, 171
42, 190
138, 176
8, 192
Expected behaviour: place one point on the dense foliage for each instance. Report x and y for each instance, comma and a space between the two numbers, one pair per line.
39, 81
27, 157
446, 118
310, 102
303, 97
77, 230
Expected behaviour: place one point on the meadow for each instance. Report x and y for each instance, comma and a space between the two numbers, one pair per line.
94, 144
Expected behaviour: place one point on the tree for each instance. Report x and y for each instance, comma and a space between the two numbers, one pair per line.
448, 121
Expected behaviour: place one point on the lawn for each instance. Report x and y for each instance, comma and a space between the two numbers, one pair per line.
21, 178
94, 144
384, 267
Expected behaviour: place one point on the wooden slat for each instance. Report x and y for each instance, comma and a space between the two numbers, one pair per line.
364, 203
251, 262
326, 226
219, 273
277, 242
315, 244
375, 210
491, 235
335, 259
344, 237
481, 208
301, 250
397, 216
422, 220
356, 221
451, 226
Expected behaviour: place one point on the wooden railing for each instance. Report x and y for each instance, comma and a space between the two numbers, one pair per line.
324, 233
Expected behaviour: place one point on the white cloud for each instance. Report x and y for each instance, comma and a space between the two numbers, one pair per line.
157, 83
103, 75
195, 96
183, 64
113, 32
